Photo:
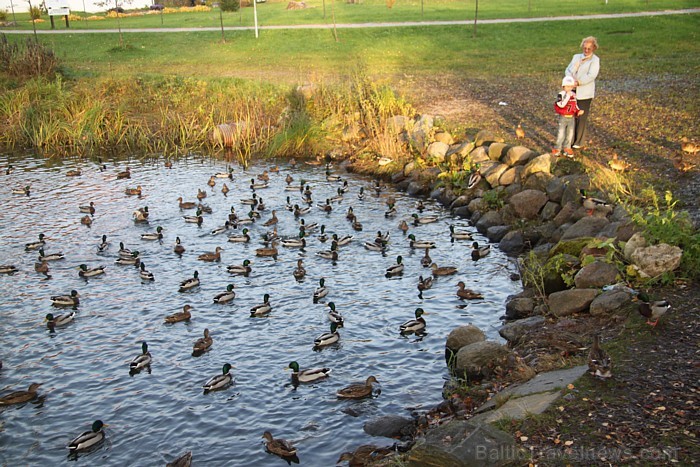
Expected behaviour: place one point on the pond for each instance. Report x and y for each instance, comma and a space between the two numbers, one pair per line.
156, 415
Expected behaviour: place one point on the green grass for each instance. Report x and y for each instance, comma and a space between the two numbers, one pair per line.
274, 13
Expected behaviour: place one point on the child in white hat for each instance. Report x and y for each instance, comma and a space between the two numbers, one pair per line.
567, 109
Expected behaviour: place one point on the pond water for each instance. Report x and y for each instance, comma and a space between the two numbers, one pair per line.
155, 416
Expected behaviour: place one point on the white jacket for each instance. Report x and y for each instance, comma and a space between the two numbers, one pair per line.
585, 73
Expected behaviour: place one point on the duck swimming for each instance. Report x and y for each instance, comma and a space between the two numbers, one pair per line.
280, 447
242, 269
327, 338
480, 252
334, 316
442, 271
308, 375
358, 390
219, 381
36, 245
416, 326
20, 397
395, 269
157, 235
321, 291
142, 360
178, 248
89, 438
263, 308
71, 300
190, 283
145, 275
90, 272
183, 315
211, 256
467, 294
51, 257
202, 344
243, 238
227, 296
52, 322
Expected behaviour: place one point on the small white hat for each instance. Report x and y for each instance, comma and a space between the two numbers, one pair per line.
568, 81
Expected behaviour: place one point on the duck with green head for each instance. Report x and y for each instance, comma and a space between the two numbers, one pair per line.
416, 326
191, 283
308, 375
240, 269
52, 322
88, 439
327, 338
142, 360
36, 245
50, 257
263, 308
321, 291
226, 296
395, 269
70, 300
90, 272
219, 381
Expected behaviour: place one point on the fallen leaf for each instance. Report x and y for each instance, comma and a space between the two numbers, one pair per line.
570, 386
568, 443
523, 438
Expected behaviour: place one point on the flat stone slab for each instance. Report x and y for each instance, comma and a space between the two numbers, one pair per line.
519, 408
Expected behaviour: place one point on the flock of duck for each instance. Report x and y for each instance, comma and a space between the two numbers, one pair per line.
238, 227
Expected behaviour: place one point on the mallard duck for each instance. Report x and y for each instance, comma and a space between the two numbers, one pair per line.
280, 447
331, 254
269, 251
42, 267
357, 390
258, 185
327, 338
395, 269
356, 225
682, 164
178, 248
8, 269
36, 245
142, 360
141, 214
134, 260
361, 194
89, 209
442, 271
242, 269
243, 238
20, 397
332, 178
212, 181
418, 220
219, 381
519, 132
339, 197
599, 362
595, 204
201, 194
145, 275
157, 235
424, 283
211, 257
21, 191
190, 283
260, 207
413, 243
364, 455
202, 344
323, 236
221, 229
133, 191
403, 226
299, 242
9, 169
125, 252
374, 246
342, 241
474, 178
327, 208
271, 236
467, 294
184, 460
71, 300
53, 322
263, 308
90, 272
289, 179
227, 296
377, 187
426, 261
334, 316
459, 234
228, 174
86, 220
225, 189
232, 216
186, 204
391, 212
89, 438
307, 228
196, 219
321, 291
479, 252
308, 375
415, 325
689, 146
102, 247
250, 201
653, 310
299, 271
272, 220
618, 164
50, 257
126, 173
183, 315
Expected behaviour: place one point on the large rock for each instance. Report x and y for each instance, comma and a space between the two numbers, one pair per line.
542, 163
479, 154
461, 149
398, 123
538, 181
568, 302
658, 259
391, 426
496, 233
510, 176
444, 137
549, 211
462, 200
461, 337
438, 150
555, 189
572, 190
514, 331
565, 215
585, 227
636, 241
610, 301
512, 243
494, 174
527, 204
518, 155
421, 131
478, 360
416, 188
595, 275
489, 219
486, 136
519, 307
476, 205
497, 150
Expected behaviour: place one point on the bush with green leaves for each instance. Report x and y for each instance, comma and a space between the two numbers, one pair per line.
230, 5
32, 60
35, 12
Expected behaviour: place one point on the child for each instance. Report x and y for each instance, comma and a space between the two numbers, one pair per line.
567, 109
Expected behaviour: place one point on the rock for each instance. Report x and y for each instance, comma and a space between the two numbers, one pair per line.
585, 227
542, 163
619, 214
461, 337
518, 155
442, 195
391, 426
496, 233
514, 331
626, 231
477, 204
421, 130
408, 168
478, 360
568, 302
538, 181
549, 211
489, 219
461, 149
565, 214
493, 174
351, 132
519, 308
596, 275
462, 212
469, 445
438, 150
572, 190
485, 136
609, 301
510, 176
444, 137
462, 200
416, 188
512, 243
636, 241
478, 155
527, 204
555, 189
658, 259
398, 123
486, 166
497, 150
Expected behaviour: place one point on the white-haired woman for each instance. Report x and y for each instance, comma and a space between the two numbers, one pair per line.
584, 68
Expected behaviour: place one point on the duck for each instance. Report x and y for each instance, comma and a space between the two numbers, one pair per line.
413, 243
133, 191
299, 242
9, 169
391, 212
416, 326
144, 274
178, 248
90, 272
332, 178
263, 308
403, 226
196, 219
186, 204
42, 267
467, 294
53, 322
299, 272
327, 208
321, 291
227, 296
342, 241
89, 438
337, 198
157, 235
599, 363
350, 214
142, 360
267, 251
242, 269
424, 283
201, 194
125, 252
134, 260
264, 176
474, 178
70, 300
183, 315
89, 209
426, 261
126, 173
20, 397
417, 220
184, 460
36, 245
202, 344
357, 390
395, 269
225, 189
279, 447
244, 237
190, 283
272, 220
86, 220
595, 204
232, 216
250, 201
220, 229
689, 146
361, 194
519, 132
212, 181
323, 236
327, 338
141, 214
377, 187
442, 271
459, 234
258, 185
219, 381
334, 316
228, 174
21, 191
307, 227
653, 310
617, 164
102, 247
260, 207
331, 254
309, 375
356, 225
50, 257
211, 257
289, 179
8, 269
681, 164
479, 252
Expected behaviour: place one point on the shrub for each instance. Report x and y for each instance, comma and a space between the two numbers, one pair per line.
3, 15
30, 61
230, 5
35, 12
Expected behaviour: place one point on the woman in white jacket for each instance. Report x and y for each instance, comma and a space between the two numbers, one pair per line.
584, 68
